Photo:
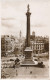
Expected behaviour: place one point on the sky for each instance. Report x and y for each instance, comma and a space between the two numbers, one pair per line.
13, 17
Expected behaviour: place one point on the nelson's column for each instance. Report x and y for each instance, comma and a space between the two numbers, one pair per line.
28, 28
28, 50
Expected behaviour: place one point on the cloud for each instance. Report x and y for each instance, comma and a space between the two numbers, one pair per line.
38, 25
6, 24
7, 18
14, 18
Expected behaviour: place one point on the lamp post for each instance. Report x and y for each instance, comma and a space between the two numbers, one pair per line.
32, 49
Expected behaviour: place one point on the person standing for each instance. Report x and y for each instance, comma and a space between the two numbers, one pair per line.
16, 73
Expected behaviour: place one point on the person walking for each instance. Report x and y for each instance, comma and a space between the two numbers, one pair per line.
16, 73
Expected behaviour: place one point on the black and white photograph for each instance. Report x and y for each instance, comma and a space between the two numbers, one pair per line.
25, 39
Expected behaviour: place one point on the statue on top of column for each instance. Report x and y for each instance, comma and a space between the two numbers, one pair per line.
28, 8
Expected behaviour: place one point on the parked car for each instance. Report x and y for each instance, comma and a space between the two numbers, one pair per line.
11, 60
17, 61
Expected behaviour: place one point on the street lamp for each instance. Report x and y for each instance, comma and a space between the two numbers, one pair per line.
32, 49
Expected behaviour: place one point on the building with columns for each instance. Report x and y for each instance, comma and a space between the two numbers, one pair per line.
37, 45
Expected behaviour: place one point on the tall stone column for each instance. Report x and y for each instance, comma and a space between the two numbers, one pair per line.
28, 28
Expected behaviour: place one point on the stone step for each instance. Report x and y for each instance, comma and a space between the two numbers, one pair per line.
28, 59
28, 62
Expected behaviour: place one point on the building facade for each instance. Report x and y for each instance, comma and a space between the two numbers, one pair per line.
7, 44
3, 50
37, 45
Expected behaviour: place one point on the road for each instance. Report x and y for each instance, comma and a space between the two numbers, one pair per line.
25, 72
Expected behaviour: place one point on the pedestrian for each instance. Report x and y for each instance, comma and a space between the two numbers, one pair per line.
16, 73
30, 72
26, 67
